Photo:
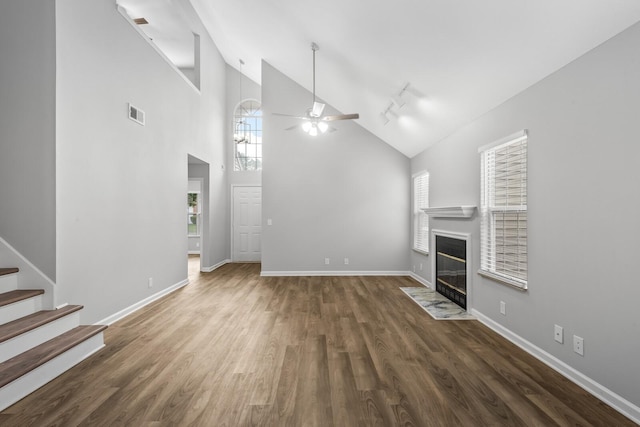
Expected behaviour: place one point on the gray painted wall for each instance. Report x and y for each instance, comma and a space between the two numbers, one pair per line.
120, 186
343, 194
27, 130
583, 202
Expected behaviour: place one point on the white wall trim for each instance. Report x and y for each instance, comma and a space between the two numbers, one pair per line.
193, 252
216, 266
332, 273
137, 306
612, 399
420, 279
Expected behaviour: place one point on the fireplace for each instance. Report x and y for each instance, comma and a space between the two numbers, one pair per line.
451, 269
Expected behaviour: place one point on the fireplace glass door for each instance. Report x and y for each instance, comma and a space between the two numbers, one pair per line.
451, 269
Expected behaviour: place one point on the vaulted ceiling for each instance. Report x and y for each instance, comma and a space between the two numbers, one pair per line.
461, 58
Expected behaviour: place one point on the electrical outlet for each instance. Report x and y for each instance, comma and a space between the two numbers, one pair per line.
150, 283
558, 334
346, 261
578, 345
503, 308
327, 261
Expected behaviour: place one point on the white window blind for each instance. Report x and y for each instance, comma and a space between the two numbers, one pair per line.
420, 219
503, 210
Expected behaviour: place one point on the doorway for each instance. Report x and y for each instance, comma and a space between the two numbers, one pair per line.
197, 212
247, 224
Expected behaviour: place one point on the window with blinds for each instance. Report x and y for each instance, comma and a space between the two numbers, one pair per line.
503, 210
420, 219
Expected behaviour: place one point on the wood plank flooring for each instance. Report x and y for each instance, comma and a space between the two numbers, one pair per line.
235, 349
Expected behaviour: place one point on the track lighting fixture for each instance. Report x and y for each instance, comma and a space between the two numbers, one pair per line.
386, 114
397, 101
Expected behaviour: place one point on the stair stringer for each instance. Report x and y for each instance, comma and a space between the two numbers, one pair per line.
29, 277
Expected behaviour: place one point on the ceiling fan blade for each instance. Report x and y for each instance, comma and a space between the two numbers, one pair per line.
289, 115
318, 108
341, 117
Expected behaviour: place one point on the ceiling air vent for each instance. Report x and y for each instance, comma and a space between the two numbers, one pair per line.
140, 21
136, 114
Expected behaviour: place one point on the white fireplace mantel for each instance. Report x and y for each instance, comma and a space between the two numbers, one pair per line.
450, 211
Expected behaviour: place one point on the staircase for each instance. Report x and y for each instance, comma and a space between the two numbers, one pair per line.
37, 345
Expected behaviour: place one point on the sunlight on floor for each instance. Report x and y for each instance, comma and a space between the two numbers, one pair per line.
194, 265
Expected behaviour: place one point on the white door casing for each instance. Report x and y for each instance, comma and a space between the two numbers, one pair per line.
247, 223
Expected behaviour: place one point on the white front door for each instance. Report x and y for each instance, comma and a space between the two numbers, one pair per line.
247, 223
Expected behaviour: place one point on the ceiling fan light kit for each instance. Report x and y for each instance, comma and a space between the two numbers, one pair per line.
314, 121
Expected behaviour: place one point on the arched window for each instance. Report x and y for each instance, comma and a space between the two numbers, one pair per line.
247, 136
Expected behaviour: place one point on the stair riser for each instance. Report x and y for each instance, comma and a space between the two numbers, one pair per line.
28, 340
8, 282
20, 309
16, 390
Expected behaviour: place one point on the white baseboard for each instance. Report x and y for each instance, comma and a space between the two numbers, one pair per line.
137, 306
193, 252
218, 265
331, 273
612, 399
420, 279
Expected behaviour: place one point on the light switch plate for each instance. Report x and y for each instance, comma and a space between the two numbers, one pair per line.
558, 334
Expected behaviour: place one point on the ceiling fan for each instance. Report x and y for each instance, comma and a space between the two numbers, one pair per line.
314, 121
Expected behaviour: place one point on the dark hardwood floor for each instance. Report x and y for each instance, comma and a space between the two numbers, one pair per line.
235, 349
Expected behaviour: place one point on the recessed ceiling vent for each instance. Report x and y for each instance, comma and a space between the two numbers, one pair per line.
140, 21
136, 114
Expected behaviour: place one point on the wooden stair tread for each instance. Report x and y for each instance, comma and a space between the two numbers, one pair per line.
18, 295
10, 270
26, 362
25, 324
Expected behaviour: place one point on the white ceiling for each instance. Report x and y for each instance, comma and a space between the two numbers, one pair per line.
462, 58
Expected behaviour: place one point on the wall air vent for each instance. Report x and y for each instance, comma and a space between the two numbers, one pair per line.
140, 21
136, 114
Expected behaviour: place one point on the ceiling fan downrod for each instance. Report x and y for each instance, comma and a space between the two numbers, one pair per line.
314, 48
